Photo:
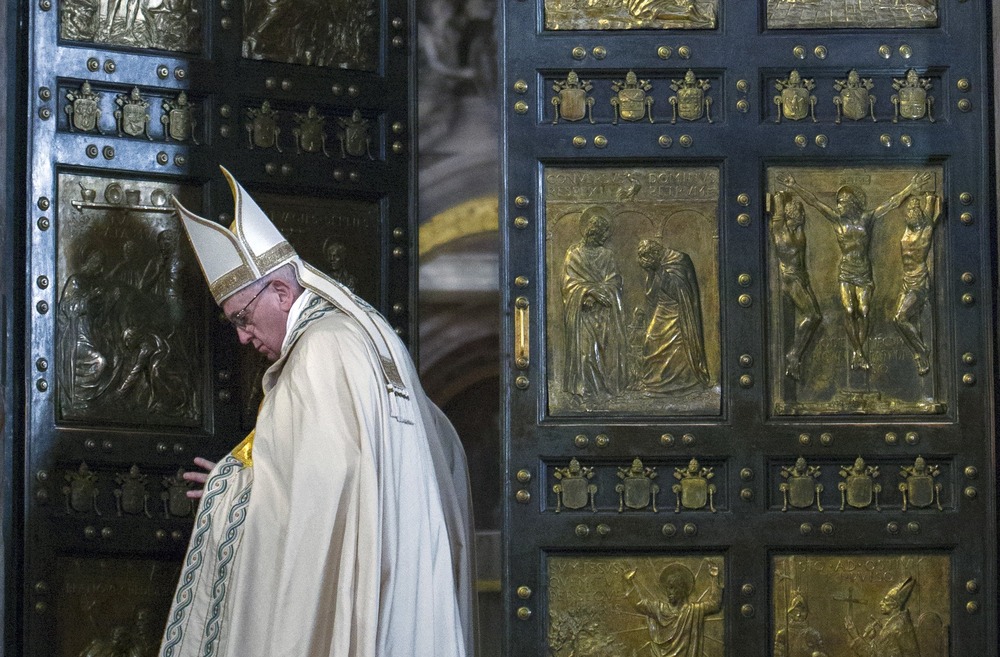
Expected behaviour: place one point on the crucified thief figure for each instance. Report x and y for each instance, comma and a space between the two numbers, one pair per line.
853, 224
914, 246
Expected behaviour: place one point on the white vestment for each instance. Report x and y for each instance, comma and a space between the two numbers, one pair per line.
343, 532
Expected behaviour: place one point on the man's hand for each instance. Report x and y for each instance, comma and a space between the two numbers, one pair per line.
198, 477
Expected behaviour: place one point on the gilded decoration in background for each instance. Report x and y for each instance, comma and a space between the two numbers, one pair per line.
640, 606
159, 24
630, 14
871, 14
331, 33
632, 290
864, 605
111, 607
854, 309
341, 238
129, 305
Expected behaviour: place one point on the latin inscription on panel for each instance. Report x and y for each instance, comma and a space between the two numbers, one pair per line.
632, 290
341, 238
855, 314
130, 302
874, 14
112, 606
867, 605
642, 606
629, 14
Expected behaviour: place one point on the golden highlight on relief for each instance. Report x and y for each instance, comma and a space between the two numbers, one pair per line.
640, 606
632, 290
160, 24
630, 14
861, 605
874, 14
854, 309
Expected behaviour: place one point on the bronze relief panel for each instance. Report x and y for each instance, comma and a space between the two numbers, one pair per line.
630, 14
632, 291
861, 604
165, 25
129, 305
856, 317
646, 606
343, 34
867, 14
111, 606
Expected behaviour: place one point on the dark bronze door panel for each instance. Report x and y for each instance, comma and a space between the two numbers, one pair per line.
129, 370
748, 272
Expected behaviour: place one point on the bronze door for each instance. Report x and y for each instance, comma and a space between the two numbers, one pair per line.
128, 369
748, 287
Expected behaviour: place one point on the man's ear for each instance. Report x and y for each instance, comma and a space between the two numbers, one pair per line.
285, 296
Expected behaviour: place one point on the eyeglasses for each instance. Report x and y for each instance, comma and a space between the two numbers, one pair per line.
240, 319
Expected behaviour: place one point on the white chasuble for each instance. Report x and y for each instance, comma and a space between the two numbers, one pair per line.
357, 538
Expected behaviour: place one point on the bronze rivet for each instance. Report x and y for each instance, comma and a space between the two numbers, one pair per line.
107, 445
743, 199
42, 282
579, 52
180, 73
44, 113
746, 381
337, 89
664, 52
180, 160
521, 281
162, 72
600, 141
522, 496
398, 252
524, 592
667, 440
160, 534
687, 439
42, 307
226, 22
270, 83
353, 90
397, 22
521, 107
43, 223
105, 532
41, 607
45, 5
905, 51
599, 52
826, 528
966, 218
804, 439
177, 535
743, 219
912, 438
225, 396
891, 438
109, 152
669, 530
885, 51
972, 607
746, 360
93, 64
972, 586
971, 492
826, 438
224, 375
746, 474
603, 530
913, 527
271, 168
161, 448
581, 441
602, 440
690, 529
398, 147
41, 587
92, 151
686, 141
968, 299
224, 130
968, 278
42, 385
742, 86
746, 494
885, 140
398, 309
965, 105
969, 379
521, 201
521, 86
523, 476
89, 532
801, 141
520, 222
523, 613
745, 300
110, 66
799, 52
397, 127
748, 589
747, 611
684, 52
521, 382
742, 105
398, 41
90, 443
286, 169
41, 364
579, 141
892, 527
969, 358
971, 472
44, 93
665, 141
963, 84
286, 85
744, 279
354, 176
820, 52
965, 198
582, 530
822, 141
805, 529
906, 140
162, 158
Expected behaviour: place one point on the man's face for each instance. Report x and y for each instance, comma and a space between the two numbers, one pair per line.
265, 319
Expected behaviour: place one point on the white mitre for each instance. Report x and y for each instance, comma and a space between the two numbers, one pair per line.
232, 259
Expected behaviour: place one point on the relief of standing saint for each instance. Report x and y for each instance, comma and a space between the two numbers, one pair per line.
915, 245
677, 625
789, 237
595, 318
673, 351
853, 224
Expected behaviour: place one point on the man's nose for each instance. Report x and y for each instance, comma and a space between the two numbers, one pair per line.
244, 335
